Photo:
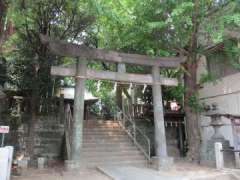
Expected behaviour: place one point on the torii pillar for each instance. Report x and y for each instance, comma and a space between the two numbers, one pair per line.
162, 160
78, 116
121, 68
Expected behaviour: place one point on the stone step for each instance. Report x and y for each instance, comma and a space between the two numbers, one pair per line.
106, 143
108, 149
104, 136
109, 144
136, 163
102, 128
103, 154
113, 159
100, 122
97, 143
103, 143
103, 131
110, 126
107, 137
107, 131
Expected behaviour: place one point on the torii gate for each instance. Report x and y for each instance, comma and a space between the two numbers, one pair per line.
81, 73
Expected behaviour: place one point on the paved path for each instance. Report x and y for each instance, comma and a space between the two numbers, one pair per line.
177, 172
129, 173
180, 171
53, 174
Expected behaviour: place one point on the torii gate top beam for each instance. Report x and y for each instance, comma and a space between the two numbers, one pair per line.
73, 50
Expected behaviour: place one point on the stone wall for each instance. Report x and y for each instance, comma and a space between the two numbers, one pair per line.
48, 139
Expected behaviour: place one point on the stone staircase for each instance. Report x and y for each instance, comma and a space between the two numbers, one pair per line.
105, 143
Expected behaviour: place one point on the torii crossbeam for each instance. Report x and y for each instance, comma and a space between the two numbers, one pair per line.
80, 72
73, 50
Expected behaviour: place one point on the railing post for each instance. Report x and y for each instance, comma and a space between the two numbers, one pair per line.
149, 149
61, 108
219, 155
134, 132
124, 120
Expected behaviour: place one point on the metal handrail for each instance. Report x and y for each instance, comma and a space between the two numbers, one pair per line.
123, 119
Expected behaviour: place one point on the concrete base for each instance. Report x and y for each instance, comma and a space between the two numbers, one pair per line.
24, 163
41, 162
160, 163
72, 165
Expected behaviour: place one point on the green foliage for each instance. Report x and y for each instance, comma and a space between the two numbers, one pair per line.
156, 28
30, 62
195, 104
174, 93
206, 78
160, 28
232, 51
105, 93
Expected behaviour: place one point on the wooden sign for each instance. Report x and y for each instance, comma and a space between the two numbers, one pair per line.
4, 129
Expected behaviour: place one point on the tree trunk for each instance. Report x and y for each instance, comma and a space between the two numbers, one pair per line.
193, 129
191, 92
3, 12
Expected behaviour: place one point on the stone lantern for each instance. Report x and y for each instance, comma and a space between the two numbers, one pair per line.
216, 123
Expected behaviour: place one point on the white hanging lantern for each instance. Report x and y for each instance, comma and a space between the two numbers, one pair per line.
130, 87
98, 86
115, 87
144, 88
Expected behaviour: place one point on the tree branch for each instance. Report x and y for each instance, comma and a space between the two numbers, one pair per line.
210, 12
